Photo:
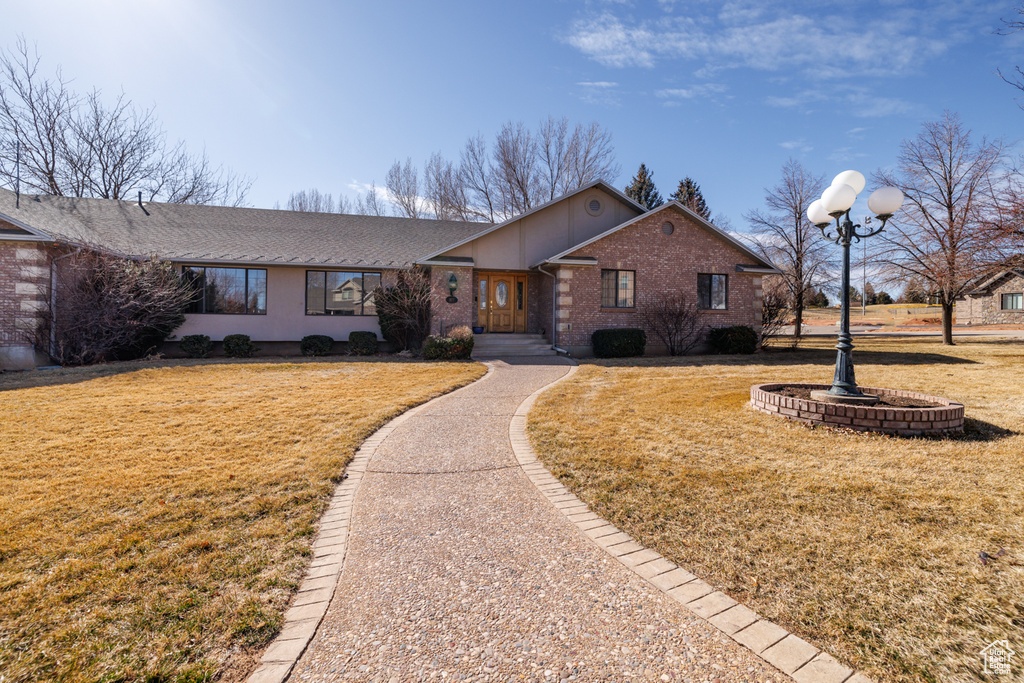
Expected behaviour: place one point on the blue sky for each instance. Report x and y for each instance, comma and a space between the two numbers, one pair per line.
329, 94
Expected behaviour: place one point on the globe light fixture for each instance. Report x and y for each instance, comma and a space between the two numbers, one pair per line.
835, 204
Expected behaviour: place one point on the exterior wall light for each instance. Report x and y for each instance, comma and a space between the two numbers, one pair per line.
453, 284
835, 203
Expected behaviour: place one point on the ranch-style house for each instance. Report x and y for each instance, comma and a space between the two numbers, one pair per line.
579, 263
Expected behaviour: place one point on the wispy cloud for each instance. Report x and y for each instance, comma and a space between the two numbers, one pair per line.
826, 42
695, 91
599, 93
800, 145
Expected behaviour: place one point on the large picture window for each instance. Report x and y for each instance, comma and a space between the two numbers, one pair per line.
330, 292
1013, 302
238, 291
617, 288
713, 291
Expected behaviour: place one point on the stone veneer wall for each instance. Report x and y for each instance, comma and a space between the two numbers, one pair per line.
944, 419
661, 263
985, 310
24, 290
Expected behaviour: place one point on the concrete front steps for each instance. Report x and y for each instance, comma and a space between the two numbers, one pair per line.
499, 345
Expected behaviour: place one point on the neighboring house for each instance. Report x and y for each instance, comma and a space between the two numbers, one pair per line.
579, 263
995, 300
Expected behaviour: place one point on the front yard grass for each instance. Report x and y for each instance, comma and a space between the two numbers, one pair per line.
866, 545
155, 522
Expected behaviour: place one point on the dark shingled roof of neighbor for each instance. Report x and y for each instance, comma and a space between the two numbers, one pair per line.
185, 232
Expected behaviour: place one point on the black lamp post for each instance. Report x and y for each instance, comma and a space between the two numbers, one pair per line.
835, 203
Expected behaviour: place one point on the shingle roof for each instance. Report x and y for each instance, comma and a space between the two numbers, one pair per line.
182, 232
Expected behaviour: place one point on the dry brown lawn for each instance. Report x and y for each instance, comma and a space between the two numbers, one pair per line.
155, 521
866, 545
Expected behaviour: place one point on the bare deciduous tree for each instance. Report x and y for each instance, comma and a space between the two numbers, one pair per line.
476, 178
315, 201
554, 147
774, 308
403, 184
112, 308
591, 156
515, 169
1013, 26
678, 323
948, 231
403, 309
786, 237
372, 203
445, 193
74, 145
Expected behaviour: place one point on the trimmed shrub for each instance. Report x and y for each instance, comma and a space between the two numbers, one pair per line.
196, 345
620, 342
458, 345
730, 340
362, 343
316, 345
239, 346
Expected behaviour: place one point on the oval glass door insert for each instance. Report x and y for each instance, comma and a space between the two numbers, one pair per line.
501, 294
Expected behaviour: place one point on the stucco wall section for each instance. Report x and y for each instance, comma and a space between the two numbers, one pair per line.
286, 318
662, 263
525, 242
985, 310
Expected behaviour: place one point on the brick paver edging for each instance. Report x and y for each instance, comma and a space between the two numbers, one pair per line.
945, 418
317, 590
777, 646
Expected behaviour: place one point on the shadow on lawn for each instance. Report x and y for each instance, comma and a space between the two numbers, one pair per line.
981, 431
785, 357
27, 379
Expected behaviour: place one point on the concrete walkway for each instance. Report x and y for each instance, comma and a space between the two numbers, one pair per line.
458, 569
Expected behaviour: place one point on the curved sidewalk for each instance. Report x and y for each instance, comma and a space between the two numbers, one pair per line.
458, 568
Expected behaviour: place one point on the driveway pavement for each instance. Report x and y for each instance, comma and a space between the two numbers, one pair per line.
458, 569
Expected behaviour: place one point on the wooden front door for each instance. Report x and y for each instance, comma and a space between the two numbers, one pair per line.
506, 302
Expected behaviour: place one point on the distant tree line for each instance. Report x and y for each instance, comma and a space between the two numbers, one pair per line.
520, 169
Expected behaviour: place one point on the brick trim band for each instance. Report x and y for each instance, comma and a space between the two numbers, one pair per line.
946, 418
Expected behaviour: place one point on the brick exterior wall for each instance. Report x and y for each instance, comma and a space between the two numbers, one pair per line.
661, 263
986, 310
946, 418
443, 314
24, 295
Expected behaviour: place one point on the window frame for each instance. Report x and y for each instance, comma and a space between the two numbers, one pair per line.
362, 302
708, 303
1017, 296
246, 278
632, 292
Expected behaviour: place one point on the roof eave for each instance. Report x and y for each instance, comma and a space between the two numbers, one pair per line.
757, 270
35, 235
707, 225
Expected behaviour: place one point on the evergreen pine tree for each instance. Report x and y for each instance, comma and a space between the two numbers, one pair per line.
688, 194
642, 189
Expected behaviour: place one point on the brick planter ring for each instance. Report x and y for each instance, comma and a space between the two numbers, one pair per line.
946, 418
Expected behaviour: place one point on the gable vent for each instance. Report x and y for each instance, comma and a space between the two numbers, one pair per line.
595, 206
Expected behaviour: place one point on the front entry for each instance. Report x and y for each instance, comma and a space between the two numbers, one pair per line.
502, 302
